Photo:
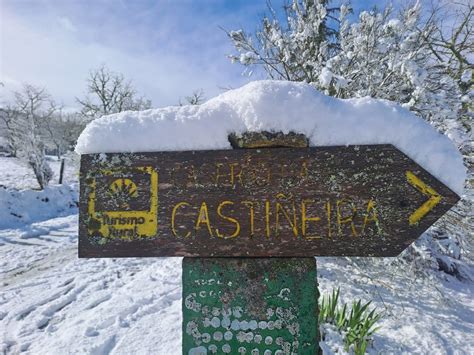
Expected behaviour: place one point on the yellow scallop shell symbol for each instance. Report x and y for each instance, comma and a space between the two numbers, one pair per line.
122, 190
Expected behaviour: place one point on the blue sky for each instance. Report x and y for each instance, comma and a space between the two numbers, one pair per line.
167, 48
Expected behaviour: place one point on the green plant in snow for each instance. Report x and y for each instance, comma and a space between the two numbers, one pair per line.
358, 323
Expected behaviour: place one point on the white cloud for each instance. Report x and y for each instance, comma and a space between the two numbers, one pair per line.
60, 57
66, 23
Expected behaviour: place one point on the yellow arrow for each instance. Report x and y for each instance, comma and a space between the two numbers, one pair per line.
426, 190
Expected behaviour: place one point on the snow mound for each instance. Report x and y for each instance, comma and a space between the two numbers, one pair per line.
278, 106
19, 207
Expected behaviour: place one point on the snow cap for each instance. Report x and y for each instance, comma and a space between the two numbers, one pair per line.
278, 106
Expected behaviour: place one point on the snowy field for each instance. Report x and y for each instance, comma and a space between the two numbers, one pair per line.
15, 174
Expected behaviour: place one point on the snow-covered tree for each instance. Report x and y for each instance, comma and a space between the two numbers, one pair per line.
452, 45
387, 57
296, 50
109, 92
62, 130
196, 98
69, 128
7, 119
32, 107
382, 55
412, 57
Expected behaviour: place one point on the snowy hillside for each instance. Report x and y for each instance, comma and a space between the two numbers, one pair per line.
20, 200
15, 173
54, 303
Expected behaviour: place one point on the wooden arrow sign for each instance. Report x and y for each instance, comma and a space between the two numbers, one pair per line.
325, 201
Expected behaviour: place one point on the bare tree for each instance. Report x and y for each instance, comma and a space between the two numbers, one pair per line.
52, 130
110, 93
452, 44
196, 98
62, 130
70, 128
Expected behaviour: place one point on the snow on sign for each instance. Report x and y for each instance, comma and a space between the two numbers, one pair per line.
367, 200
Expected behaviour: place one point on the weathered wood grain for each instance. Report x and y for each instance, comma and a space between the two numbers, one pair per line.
349, 200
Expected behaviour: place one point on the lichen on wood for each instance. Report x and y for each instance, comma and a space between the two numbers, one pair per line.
267, 139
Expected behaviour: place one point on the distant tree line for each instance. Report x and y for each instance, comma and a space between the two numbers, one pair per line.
33, 124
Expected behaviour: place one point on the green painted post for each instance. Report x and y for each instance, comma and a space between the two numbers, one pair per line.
255, 306
250, 306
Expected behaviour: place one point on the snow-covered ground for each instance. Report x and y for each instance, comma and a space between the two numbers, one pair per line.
422, 314
51, 302
20, 200
54, 303
15, 174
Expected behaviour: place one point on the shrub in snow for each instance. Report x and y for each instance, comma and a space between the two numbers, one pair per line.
18, 208
37, 161
33, 107
355, 323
